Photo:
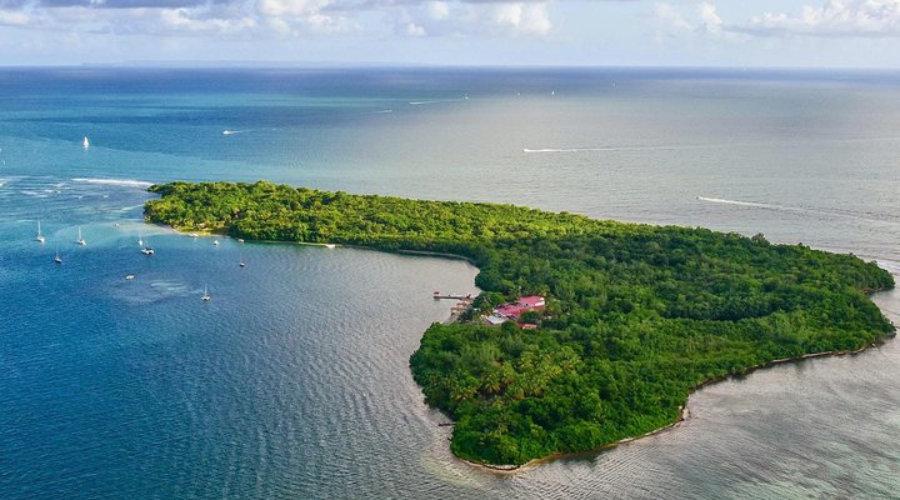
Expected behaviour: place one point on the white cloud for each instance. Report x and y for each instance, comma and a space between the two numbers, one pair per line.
413, 29
281, 18
702, 19
859, 18
15, 18
524, 18
293, 8
297, 16
671, 17
710, 19
438, 10
203, 20
492, 19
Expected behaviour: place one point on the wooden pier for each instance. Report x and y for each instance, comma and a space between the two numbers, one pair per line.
440, 296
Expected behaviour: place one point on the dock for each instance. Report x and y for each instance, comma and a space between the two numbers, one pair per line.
463, 305
440, 296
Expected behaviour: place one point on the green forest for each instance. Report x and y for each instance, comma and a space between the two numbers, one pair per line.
637, 315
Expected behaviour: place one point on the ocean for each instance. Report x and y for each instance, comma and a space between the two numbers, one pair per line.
293, 381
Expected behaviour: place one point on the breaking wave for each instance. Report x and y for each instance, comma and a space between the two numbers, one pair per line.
116, 182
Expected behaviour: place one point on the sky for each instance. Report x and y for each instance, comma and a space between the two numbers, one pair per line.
711, 33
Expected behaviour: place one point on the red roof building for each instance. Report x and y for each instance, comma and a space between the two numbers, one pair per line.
513, 311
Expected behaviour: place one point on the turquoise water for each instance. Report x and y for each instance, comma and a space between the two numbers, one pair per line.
293, 381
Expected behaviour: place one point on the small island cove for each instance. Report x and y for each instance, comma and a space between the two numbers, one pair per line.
636, 317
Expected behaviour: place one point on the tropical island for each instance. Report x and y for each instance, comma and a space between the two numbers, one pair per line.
636, 316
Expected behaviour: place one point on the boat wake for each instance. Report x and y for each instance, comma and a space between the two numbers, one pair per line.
799, 210
567, 150
433, 101
115, 182
170, 287
618, 148
235, 132
766, 206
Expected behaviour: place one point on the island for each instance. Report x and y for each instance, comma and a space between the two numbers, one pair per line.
632, 319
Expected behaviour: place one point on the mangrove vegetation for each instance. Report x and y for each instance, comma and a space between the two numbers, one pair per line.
637, 316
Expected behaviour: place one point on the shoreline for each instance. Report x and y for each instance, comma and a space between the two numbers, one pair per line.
684, 414
224, 233
426, 253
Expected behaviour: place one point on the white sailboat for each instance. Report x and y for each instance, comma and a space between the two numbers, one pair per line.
57, 259
40, 237
140, 239
205, 297
86, 142
241, 261
80, 238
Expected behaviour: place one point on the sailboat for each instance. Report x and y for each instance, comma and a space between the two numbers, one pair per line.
86, 142
57, 259
205, 297
140, 239
40, 237
80, 238
241, 261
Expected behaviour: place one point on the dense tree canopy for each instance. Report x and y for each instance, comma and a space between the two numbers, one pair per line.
637, 315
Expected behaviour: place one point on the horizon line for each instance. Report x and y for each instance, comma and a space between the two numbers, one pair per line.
225, 64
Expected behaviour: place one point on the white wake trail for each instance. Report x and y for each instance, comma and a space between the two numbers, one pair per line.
800, 210
766, 206
619, 148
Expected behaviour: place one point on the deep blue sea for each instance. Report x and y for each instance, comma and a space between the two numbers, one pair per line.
293, 381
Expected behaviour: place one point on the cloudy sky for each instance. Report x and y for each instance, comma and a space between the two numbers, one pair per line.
756, 33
